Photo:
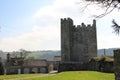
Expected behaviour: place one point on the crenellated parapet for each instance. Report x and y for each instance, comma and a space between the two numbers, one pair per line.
83, 27
66, 20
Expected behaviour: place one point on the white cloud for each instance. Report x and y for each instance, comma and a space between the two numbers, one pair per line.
69, 8
59, 9
39, 39
108, 41
45, 33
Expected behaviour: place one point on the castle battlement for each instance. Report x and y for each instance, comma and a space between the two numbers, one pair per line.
66, 20
83, 27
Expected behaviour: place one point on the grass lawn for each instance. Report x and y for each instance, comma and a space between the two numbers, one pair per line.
71, 75
6, 77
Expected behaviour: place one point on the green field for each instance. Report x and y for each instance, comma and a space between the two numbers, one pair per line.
72, 75
19, 76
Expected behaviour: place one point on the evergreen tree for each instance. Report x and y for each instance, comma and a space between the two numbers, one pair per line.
1, 69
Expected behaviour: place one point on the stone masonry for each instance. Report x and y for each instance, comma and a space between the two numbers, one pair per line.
78, 43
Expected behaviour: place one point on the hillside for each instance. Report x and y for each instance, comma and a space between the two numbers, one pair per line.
3, 54
49, 54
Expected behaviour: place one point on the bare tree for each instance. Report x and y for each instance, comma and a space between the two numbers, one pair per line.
110, 5
23, 53
107, 3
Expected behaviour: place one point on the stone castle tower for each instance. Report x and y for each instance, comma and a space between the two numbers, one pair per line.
78, 43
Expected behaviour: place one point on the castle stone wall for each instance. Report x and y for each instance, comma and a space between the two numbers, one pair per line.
78, 43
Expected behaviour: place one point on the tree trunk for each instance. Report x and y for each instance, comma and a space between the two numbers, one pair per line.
117, 64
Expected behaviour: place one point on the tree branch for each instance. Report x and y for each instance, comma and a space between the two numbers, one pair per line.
116, 27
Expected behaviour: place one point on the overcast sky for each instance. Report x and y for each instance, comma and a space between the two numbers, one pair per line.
35, 24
